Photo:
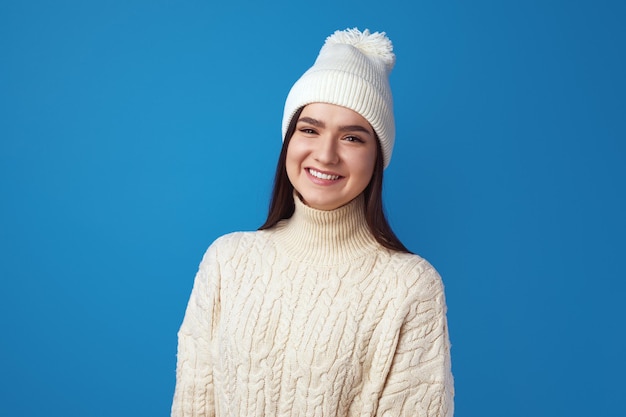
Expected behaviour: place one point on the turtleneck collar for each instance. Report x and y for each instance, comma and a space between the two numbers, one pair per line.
326, 237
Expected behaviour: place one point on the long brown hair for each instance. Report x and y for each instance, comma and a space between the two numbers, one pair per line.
282, 205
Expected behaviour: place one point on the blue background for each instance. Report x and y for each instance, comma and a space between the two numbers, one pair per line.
133, 133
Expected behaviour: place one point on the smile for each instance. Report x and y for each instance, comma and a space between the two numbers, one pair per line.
321, 175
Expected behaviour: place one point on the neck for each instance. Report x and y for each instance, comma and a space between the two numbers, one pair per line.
326, 237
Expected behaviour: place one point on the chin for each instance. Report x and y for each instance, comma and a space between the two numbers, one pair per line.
324, 204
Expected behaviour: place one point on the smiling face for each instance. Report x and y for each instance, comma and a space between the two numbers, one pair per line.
331, 155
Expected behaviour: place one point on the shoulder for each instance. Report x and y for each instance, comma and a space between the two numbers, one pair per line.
414, 273
233, 238
231, 244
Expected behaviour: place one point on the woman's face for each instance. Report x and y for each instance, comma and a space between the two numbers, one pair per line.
331, 155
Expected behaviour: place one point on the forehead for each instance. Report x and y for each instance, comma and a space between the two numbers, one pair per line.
332, 114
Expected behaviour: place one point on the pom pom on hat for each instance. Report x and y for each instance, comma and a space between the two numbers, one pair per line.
375, 45
352, 70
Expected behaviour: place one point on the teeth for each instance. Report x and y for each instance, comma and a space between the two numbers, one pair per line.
323, 176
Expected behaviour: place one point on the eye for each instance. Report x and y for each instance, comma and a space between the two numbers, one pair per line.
307, 130
354, 139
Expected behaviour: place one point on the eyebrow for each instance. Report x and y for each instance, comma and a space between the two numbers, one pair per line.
348, 128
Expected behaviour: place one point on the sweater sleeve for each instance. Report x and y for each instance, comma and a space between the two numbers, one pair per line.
193, 395
420, 381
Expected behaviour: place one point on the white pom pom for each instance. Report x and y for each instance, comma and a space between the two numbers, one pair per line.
376, 44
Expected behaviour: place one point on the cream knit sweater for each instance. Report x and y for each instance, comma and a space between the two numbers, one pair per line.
313, 318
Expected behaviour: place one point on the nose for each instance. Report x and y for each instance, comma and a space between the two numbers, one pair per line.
326, 151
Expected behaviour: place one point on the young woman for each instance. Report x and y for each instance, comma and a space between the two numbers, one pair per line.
323, 311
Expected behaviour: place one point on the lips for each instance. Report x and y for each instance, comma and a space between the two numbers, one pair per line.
322, 175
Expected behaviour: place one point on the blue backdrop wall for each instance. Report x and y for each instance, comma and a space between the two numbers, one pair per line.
133, 133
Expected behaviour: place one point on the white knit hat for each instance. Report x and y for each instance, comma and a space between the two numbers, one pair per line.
351, 70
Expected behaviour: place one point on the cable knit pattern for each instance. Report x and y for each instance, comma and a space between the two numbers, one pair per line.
313, 318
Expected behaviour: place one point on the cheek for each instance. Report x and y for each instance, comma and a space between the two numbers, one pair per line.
365, 169
292, 162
